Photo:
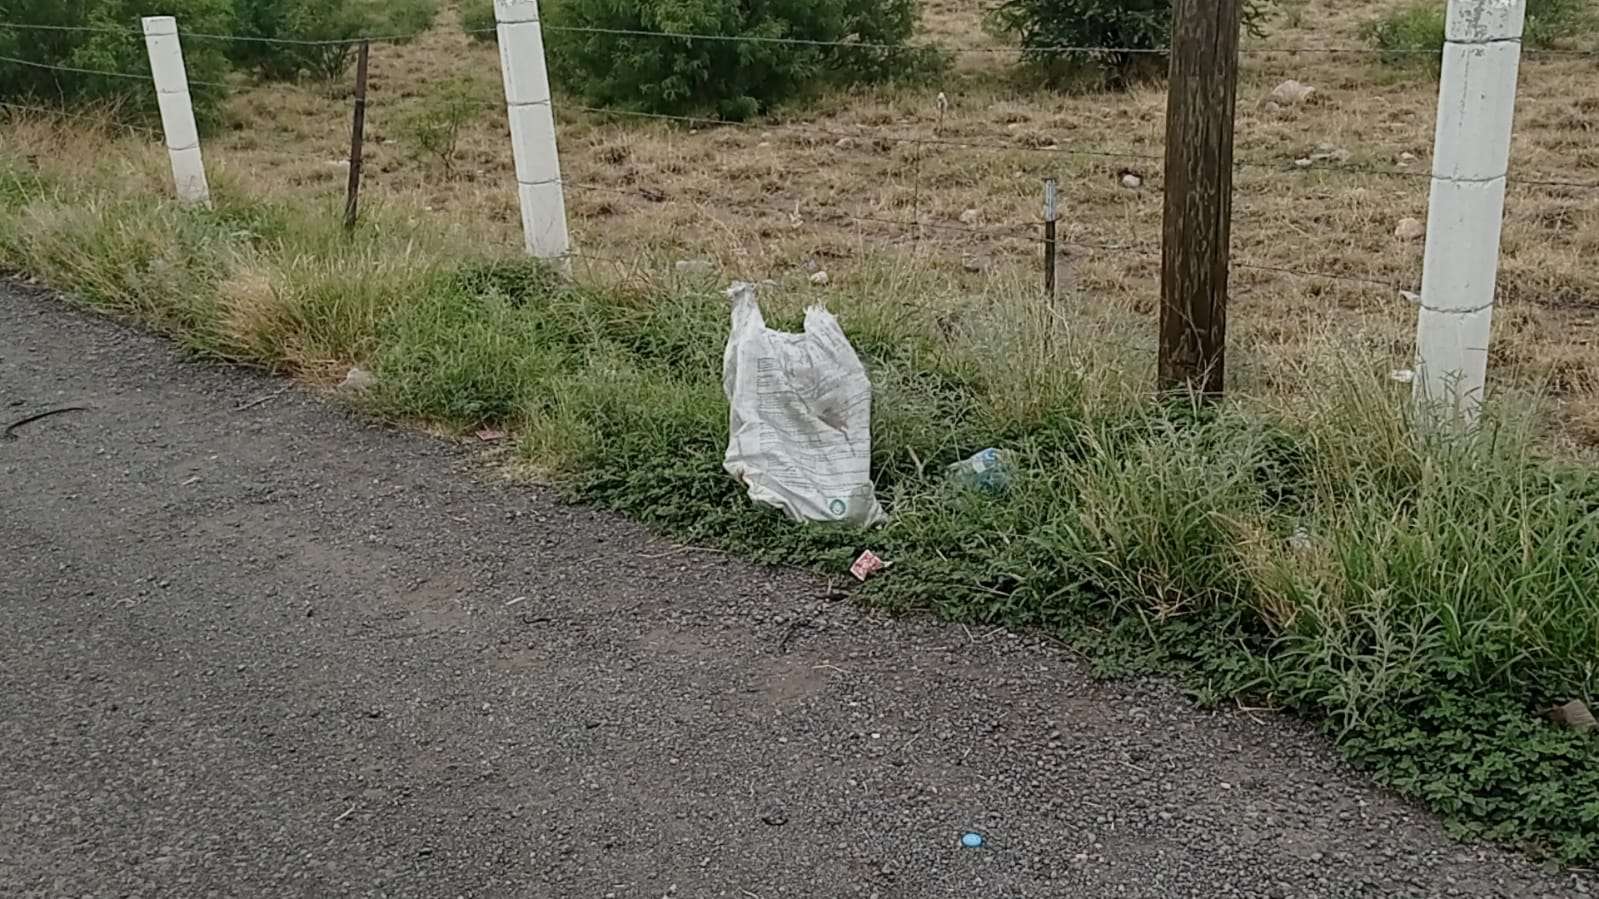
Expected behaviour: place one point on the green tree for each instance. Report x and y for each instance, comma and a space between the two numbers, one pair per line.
1414, 33
741, 65
317, 36
115, 44
1115, 37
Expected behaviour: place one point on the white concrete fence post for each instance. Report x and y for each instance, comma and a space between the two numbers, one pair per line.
177, 111
1471, 157
527, 103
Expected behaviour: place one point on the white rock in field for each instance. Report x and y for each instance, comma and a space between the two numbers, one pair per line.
973, 264
1132, 180
1330, 153
695, 266
970, 217
1410, 229
359, 379
845, 143
819, 279
1291, 93
1304, 163
1575, 715
1301, 541
1406, 158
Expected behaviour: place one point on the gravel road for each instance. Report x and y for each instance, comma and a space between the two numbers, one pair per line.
281, 651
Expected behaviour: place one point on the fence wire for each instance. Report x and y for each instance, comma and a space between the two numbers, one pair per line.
1390, 289
102, 73
1280, 166
1048, 49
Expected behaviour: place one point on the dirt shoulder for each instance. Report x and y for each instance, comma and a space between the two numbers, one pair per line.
274, 649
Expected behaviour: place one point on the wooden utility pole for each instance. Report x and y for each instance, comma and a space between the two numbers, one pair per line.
1202, 95
352, 194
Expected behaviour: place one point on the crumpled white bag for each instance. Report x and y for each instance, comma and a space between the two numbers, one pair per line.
800, 425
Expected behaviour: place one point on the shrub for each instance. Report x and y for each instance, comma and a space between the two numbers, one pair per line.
337, 21
732, 78
477, 19
1043, 25
435, 126
1415, 33
118, 48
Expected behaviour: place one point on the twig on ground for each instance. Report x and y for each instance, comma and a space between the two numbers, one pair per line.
345, 815
1062, 644
262, 400
7, 435
832, 593
1251, 710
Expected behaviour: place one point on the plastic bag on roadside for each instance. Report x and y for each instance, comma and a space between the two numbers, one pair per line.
800, 435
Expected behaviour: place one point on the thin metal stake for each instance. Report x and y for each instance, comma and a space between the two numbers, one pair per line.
352, 197
1049, 237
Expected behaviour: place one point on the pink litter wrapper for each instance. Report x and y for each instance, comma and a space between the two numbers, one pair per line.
867, 565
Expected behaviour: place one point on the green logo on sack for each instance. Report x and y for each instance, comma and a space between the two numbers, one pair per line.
837, 507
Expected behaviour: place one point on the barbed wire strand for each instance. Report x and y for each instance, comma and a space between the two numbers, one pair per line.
1390, 290
1082, 49
312, 42
96, 29
1098, 153
1056, 49
1009, 233
833, 133
103, 73
707, 207
1054, 148
896, 138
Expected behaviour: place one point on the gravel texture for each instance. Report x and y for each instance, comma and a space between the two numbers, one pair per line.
281, 651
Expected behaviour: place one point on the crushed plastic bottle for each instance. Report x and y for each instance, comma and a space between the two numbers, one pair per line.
987, 471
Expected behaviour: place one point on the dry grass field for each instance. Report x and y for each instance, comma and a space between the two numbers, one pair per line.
838, 182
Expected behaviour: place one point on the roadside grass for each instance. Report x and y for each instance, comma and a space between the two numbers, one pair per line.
1421, 595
